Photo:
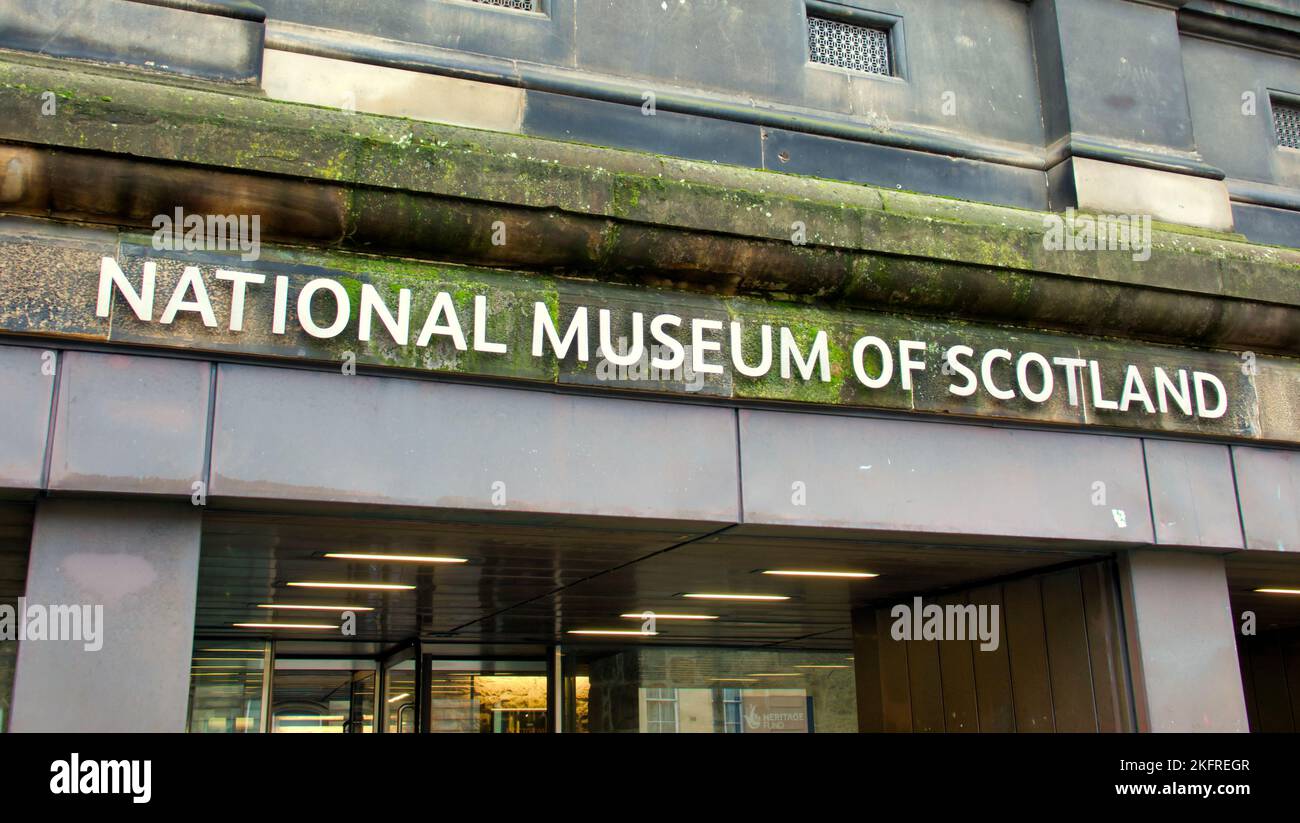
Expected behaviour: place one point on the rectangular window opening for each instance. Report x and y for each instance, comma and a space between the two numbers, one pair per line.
1286, 122
516, 5
848, 45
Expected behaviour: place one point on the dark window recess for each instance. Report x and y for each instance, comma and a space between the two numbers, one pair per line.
518, 5
847, 46
1286, 120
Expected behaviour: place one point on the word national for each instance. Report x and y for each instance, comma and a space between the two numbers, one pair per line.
662, 344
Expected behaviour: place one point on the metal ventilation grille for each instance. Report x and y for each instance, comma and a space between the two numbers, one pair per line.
847, 46
518, 5
1286, 119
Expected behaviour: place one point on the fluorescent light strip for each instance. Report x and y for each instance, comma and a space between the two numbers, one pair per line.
1278, 591
282, 626
383, 587
720, 596
619, 632
776, 674
823, 666
306, 608
401, 696
658, 616
813, 573
240, 651
396, 558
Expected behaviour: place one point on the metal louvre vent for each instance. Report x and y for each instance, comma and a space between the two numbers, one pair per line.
847, 46
1286, 119
518, 5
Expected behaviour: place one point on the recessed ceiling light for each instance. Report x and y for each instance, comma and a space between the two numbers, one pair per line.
816, 573
312, 584
620, 632
724, 596
395, 558
659, 616
240, 651
308, 608
1278, 591
282, 626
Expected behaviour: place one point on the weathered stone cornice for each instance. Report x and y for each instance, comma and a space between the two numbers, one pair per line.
1256, 25
120, 150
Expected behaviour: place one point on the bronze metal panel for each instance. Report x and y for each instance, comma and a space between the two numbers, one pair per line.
895, 687
923, 681
1272, 698
867, 671
1027, 647
1067, 651
1110, 681
957, 672
993, 670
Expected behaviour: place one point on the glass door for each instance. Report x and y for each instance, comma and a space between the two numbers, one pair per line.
400, 696
487, 697
323, 696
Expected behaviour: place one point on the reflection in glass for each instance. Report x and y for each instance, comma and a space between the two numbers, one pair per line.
501, 702
324, 701
399, 698
226, 686
730, 691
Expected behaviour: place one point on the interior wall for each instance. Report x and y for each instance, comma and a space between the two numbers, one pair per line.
15, 543
1060, 664
1270, 676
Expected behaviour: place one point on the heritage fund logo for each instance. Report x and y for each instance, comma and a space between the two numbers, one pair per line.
77, 776
951, 622
209, 232
1103, 232
78, 623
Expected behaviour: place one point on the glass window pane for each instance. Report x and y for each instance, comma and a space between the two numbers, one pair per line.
327, 701
226, 686
667, 690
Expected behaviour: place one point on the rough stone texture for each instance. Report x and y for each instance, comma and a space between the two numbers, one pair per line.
435, 191
48, 278
1262, 400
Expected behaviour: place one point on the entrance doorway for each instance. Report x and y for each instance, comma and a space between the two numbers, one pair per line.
417, 693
